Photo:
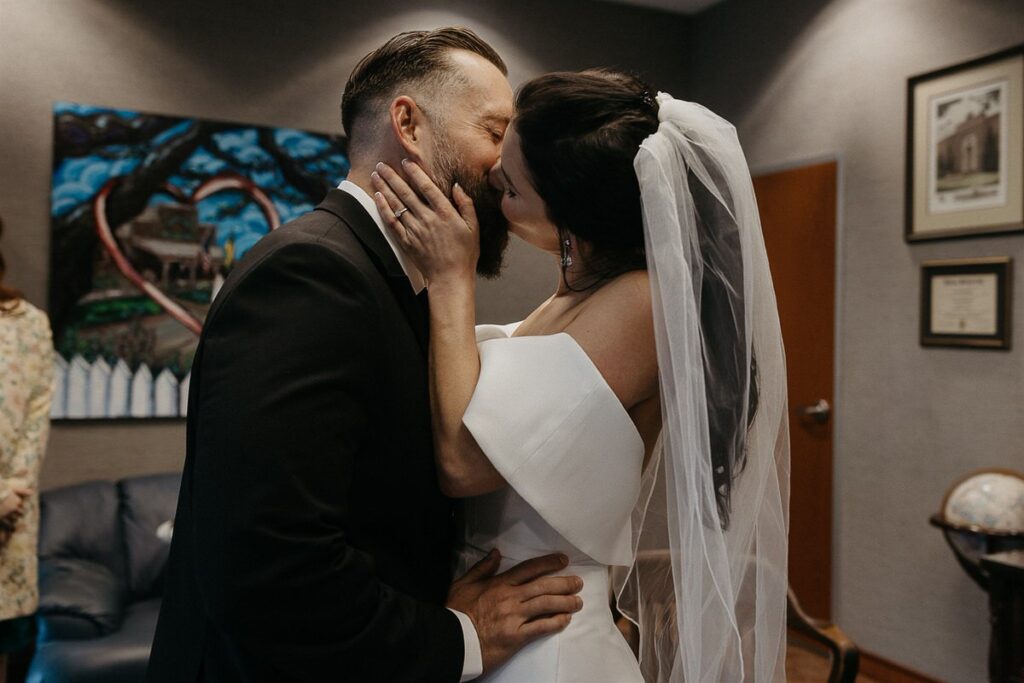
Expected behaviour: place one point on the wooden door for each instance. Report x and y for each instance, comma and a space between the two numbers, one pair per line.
798, 215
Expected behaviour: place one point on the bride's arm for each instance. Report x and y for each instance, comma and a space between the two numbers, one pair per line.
463, 469
444, 244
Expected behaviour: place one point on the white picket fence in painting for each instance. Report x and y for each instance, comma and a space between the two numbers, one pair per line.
85, 390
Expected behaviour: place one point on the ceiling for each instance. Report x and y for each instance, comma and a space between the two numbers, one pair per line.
676, 6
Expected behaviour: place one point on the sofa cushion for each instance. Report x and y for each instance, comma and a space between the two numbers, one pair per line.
78, 599
81, 522
146, 504
120, 657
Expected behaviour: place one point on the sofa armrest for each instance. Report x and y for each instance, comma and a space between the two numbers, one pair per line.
78, 599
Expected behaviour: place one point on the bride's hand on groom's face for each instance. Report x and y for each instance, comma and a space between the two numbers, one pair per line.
442, 239
517, 606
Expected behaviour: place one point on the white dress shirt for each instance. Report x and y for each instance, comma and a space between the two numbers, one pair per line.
472, 664
411, 271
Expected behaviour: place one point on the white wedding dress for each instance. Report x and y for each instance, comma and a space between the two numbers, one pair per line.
708, 586
572, 457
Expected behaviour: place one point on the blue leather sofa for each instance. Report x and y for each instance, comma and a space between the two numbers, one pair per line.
101, 564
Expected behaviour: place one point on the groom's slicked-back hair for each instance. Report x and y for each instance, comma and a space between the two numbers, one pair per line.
414, 60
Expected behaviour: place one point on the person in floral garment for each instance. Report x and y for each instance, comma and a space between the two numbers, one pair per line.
26, 389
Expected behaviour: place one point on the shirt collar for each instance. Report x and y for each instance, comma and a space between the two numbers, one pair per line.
411, 271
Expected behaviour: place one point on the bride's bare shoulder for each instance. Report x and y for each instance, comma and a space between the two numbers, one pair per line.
635, 283
624, 300
616, 329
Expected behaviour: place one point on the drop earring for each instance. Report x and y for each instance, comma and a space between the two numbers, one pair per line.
566, 253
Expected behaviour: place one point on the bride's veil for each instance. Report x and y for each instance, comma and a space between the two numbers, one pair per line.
708, 585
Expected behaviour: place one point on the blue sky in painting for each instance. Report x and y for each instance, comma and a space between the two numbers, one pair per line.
88, 110
77, 180
238, 150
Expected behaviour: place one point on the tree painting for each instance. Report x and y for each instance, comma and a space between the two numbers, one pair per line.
149, 213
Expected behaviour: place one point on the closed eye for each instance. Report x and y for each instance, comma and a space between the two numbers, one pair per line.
510, 189
494, 125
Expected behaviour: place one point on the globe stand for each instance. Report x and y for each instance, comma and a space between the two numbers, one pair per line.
982, 520
970, 543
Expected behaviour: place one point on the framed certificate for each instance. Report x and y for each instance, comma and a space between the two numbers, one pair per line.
965, 149
966, 302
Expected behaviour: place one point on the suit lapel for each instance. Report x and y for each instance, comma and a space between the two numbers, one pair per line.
348, 209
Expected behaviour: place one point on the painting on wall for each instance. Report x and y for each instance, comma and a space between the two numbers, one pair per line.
965, 149
149, 213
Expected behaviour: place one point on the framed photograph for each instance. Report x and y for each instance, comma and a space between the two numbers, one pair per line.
965, 149
966, 302
149, 213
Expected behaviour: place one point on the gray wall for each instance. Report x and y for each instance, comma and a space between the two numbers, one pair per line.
264, 62
801, 79
804, 79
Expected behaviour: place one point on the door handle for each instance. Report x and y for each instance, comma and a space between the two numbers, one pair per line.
819, 412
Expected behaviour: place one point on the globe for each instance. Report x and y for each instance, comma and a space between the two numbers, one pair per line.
991, 501
983, 513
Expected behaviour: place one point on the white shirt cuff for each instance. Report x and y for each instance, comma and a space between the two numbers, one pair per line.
473, 663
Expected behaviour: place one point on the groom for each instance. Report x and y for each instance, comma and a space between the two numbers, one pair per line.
311, 540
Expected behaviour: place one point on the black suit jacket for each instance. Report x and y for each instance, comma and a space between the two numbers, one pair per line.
311, 541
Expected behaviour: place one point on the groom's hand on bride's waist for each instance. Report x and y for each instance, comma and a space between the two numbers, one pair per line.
517, 606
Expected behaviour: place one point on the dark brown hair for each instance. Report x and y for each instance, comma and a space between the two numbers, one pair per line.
9, 296
410, 58
580, 132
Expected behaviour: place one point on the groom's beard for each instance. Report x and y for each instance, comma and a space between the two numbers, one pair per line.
493, 226
486, 200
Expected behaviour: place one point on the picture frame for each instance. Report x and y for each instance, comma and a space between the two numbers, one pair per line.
149, 214
967, 303
965, 149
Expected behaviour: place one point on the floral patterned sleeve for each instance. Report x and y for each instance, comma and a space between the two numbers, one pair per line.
25, 394
36, 430
26, 389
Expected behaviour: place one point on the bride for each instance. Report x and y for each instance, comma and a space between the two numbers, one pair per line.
636, 420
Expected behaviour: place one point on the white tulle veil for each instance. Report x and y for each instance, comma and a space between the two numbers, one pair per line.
708, 585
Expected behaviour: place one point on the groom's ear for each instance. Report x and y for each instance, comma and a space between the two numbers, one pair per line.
409, 126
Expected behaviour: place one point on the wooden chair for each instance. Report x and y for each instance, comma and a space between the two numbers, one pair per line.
843, 652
